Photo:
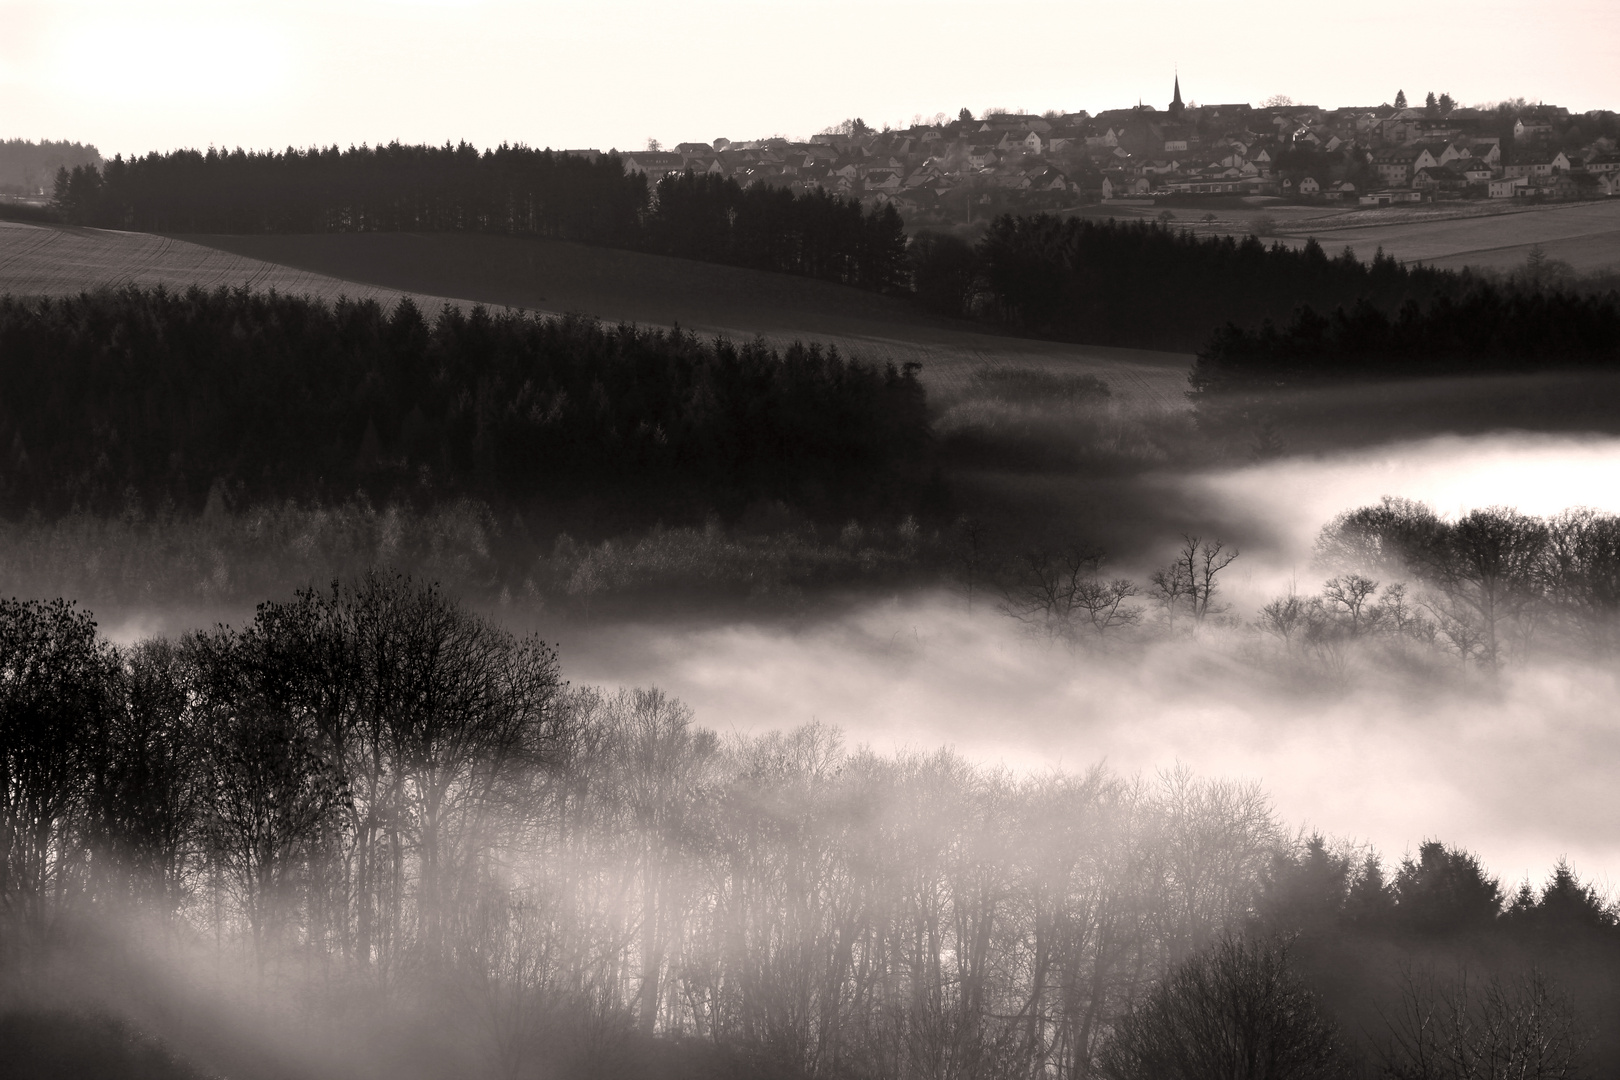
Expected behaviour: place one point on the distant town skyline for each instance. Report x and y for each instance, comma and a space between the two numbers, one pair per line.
138, 76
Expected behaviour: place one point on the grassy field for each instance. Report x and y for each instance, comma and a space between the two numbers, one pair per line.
545, 275
1585, 235
49, 260
1496, 235
553, 276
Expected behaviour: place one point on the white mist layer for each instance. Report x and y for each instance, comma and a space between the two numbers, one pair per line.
1292, 498
1520, 771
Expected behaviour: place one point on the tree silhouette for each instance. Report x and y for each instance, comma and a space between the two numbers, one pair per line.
1234, 1010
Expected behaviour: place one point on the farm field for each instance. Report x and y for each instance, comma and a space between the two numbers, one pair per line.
49, 260
1585, 235
1496, 235
557, 277
628, 286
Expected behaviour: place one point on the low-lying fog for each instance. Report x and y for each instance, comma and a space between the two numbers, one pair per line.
1520, 771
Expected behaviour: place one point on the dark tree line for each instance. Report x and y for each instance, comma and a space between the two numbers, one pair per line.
510, 190
368, 794
816, 234
1438, 972
1146, 284
1483, 330
165, 395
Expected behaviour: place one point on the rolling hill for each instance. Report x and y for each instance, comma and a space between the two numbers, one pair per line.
48, 260
629, 286
1492, 235
556, 277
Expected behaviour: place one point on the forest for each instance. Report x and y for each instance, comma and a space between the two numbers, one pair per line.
1484, 330
161, 397
510, 190
371, 809
1139, 284
816, 234
30, 168
1148, 285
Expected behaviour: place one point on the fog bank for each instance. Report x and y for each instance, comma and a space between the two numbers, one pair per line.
1516, 767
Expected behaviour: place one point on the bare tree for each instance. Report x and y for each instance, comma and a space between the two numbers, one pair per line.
1234, 1011
1188, 585
1520, 1026
1060, 594
1488, 571
56, 682
1582, 577
972, 555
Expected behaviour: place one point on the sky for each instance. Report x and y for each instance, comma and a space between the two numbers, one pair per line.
132, 75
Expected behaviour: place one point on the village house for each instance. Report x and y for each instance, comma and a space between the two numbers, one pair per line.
1537, 164
1599, 164
982, 157
1487, 148
1504, 187
1398, 166
1534, 129
885, 180
654, 165
1391, 197
1377, 155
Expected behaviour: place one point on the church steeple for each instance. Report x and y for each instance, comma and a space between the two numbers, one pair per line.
1175, 102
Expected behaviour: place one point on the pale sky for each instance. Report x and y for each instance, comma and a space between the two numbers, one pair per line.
135, 75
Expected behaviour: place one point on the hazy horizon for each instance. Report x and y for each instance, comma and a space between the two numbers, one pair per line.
132, 78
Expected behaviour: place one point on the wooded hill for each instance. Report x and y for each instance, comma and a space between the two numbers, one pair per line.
510, 190
162, 396
1486, 330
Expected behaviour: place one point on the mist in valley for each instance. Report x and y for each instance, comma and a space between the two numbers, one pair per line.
1513, 765
545, 700
1381, 751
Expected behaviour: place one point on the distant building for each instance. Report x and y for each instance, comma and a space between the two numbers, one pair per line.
655, 165
1392, 197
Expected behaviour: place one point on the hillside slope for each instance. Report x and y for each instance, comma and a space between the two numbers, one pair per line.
553, 276
48, 260
1585, 235
1493, 235
616, 285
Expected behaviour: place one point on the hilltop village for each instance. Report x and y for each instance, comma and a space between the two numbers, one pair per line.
958, 170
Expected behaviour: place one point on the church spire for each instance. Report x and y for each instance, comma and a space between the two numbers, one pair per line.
1175, 102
